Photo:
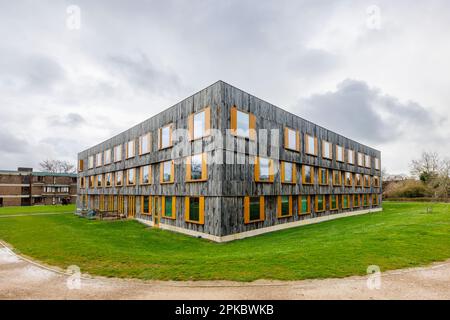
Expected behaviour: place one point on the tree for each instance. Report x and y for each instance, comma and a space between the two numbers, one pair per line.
427, 167
57, 166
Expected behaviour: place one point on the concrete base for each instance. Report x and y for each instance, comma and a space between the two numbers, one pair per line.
256, 232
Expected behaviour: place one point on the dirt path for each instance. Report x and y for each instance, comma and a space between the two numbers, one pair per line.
21, 279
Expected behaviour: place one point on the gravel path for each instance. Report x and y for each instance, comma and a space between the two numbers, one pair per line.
23, 279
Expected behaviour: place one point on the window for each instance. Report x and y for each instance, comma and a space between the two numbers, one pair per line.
366, 181
374, 200
119, 178
334, 202
327, 150
200, 124
82, 182
358, 180
195, 210
307, 174
145, 177
320, 203
348, 179
108, 179
310, 145
118, 153
196, 169
288, 172
356, 200
323, 177
253, 209
264, 170
131, 149
339, 154
377, 164
350, 156
345, 201
107, 156
284, 206
165, 137
243, 124
167, 172
376, 181
131, 177
360, 159
367, 163
90, 162
305, 204
98, 160
91, 181
146, 205
291, 139
168, 207
337, 178
144, 144
80, 165
366, 200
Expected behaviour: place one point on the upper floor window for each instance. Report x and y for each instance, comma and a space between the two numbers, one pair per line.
376, 181
200, 124
131, 177
307, 174
323, 176
288, 172
377, 164
82, 182
145, 144
99, 181
366, 181
131, 149
358, 180
108, 179
337, 178
310, 145
90, 162
360, 159
107, 156
348, 179
367, 161
165, 137
80, 165
167, 169
98, 159
327, 150
243, 124
119, 178
91, 181
291, 139
118, 153
196, 168
264, 170
350, 156
339, 154
145, 177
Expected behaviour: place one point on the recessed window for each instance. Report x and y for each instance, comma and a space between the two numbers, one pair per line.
356, 200
360, 159
334, 202
91, 181
284, 206
165, 137
196, 169
131, 177
376, 181
348, 179
307, 175
99, 181
377, 164
118, 153
350, 156
146, 205
80, 165
339, 154
291, 139
367, 163
288, 172
145, 172
168, 207
366, 181
264, 170
345, 201
131, 149
358, 180
366, 200
305, 204
167, 172
119, 178
108, 179
82, 182
323, 177
195, 209
310, 145
107, 156
90, 162
327, 148
375, 200
337, 178
320, 203
144, 144
199, 124
253, 209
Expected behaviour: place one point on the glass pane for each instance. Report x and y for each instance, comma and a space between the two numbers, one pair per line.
288, 177
167, 171
145, 174
308, 176
130, 148
350, 156
146, 204
311, 145
145, 146
168, 207
285, 205
254, 208
333, 202
292, 139
320, 203
323, 176
304, 204
165, 137
264, 172
130, 176
196, 167
199, 125
326, 150
243, 124
194, 209
345, 202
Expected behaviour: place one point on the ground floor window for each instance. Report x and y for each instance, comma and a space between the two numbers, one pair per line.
375, 200
146, 204
366, 200
284, 206
253, 209
345, 201
168, 207
334, 202
320, 203
305, 204
195, 209
356, 200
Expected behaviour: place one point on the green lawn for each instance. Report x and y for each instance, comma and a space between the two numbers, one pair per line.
403, 235
36, 209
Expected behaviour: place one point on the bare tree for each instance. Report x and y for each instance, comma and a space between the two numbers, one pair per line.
443, 180
427, 167
57, 166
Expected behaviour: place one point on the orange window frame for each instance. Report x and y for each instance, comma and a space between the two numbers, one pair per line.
161, 172
206, 129
307, 151
280, 207
286, 139
201, 213
204, 176
251, 126
283, 174
247, 210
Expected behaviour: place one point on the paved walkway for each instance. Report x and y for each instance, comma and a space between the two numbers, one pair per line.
24, 279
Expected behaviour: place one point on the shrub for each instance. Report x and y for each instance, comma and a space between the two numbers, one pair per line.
407, 189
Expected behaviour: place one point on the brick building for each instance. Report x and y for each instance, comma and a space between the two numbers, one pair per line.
25, 187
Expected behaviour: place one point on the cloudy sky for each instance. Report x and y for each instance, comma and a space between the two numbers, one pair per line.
375, 71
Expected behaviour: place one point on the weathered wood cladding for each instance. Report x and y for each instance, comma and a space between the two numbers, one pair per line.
228, 183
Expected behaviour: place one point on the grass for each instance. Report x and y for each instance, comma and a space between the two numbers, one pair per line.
403, 235
36, 209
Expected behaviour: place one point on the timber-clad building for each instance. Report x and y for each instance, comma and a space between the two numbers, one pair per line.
224, 165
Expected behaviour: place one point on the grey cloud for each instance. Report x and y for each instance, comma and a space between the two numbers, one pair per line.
69, 120
10, 144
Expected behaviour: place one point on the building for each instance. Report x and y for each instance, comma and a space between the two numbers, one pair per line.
223, 165
25, 187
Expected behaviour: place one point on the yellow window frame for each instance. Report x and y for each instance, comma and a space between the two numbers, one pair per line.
247, 210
